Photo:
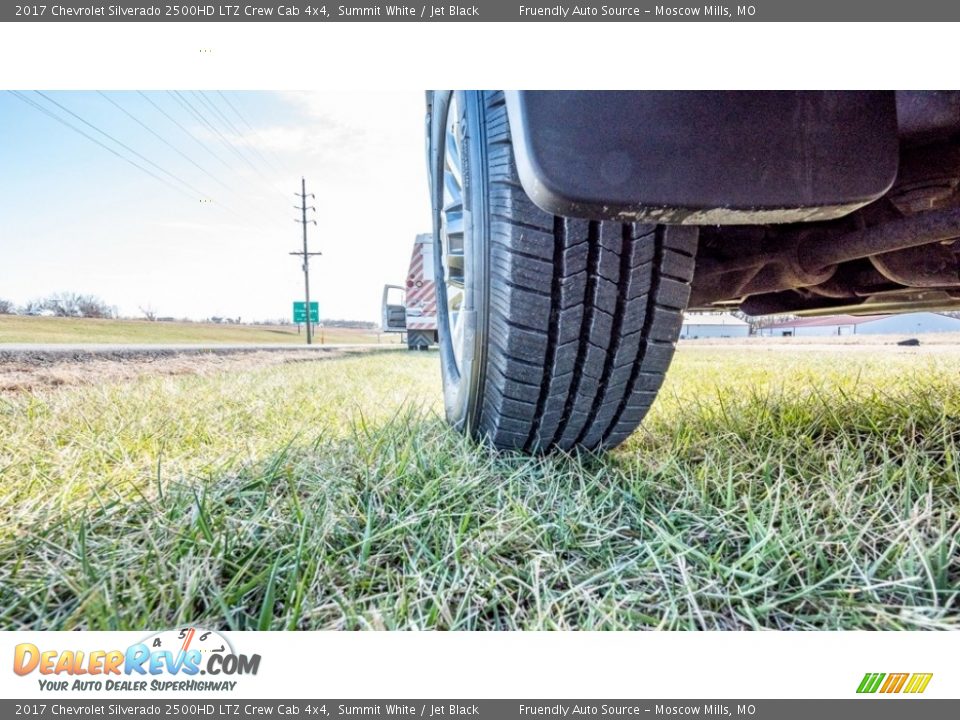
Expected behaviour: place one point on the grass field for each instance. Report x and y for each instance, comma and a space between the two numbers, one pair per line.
768, 489
23, 329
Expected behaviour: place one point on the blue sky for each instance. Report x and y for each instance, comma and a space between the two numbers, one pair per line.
210, 233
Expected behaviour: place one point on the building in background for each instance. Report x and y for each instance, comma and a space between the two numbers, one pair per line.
916, 323
713, 325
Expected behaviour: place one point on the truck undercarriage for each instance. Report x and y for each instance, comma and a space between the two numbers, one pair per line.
807, 202
900, 252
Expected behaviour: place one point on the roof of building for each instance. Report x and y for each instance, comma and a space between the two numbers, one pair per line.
713, 319
827, 321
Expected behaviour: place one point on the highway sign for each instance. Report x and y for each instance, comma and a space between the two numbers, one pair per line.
300, 312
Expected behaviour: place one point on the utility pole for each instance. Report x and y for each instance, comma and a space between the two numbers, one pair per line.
302, 207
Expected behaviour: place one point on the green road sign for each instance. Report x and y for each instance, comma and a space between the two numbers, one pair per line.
300, 312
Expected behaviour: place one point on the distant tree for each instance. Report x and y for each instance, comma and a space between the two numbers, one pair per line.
90, 306
33, 307
7, 307
61, 304
149, 313
68, 304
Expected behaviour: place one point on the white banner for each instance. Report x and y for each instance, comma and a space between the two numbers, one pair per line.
829, 665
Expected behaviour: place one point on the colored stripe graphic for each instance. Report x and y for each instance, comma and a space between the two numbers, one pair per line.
870, 683
918, 683
894, 683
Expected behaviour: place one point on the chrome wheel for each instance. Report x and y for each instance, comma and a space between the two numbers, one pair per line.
452, 233
458, 187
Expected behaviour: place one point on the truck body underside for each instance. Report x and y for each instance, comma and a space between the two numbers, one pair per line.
807, 202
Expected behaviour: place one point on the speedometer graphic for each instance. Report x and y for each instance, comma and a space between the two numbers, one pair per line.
184, 639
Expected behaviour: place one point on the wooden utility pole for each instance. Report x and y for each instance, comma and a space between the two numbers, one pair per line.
302, 207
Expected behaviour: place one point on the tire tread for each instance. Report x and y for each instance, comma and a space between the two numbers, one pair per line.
583, 315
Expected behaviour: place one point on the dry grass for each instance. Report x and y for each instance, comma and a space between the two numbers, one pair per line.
21, 329
33, 376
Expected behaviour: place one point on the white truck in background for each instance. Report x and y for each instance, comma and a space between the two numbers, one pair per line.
412, 308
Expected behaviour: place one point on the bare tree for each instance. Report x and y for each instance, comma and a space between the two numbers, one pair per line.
7, 307
90, 306
33, 307
149, 313
61, 304
68, 304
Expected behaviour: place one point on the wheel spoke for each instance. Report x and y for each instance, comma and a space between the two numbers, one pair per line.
452, 232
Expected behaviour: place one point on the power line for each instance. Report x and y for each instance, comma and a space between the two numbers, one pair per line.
243, 135
223, 118
228, 126
203, 119
201, 143
246, 145
185, 130
126, 147
92, 139
235, 110
285, 167
230, 146
182, 154
114, 152
163, 140
193, 113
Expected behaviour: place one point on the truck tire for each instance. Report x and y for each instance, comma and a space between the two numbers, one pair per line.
563, 328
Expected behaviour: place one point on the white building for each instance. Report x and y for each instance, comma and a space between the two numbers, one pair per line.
916, 323
713, 325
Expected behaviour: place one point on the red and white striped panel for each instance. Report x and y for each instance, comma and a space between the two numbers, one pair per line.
421, 293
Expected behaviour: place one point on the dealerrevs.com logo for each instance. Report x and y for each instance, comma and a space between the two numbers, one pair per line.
892, 683
170, 660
